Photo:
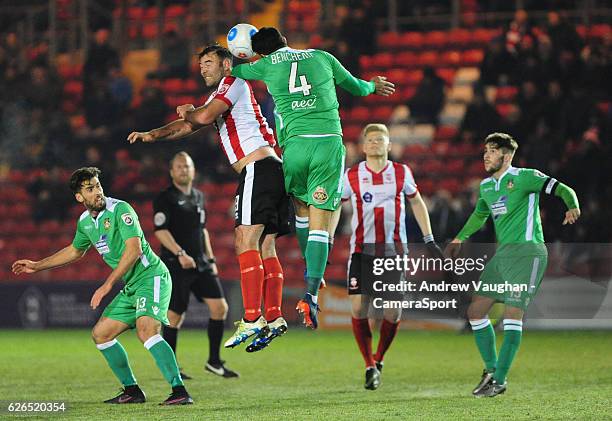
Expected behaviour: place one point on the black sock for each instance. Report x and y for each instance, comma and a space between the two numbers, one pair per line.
215, 335
170, 335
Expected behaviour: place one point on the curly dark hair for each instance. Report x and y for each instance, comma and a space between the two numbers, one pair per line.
80, 176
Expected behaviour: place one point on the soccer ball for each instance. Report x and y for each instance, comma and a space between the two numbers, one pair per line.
239, 40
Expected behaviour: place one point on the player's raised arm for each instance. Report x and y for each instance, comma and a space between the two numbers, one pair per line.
378, 85
63, 257
175, 130
206, 114
568, 195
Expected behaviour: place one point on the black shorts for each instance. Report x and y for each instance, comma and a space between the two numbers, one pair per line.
203, 283
261, 197
361, 279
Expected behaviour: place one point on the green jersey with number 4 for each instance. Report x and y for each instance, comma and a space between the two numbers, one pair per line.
108, 232
513, 202
302, 83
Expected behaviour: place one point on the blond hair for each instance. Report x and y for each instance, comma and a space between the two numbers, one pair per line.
375, 127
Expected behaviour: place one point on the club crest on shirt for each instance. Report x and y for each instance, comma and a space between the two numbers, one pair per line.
223, 89
510, 184
127, 219
320, 196
107, 223
367, 197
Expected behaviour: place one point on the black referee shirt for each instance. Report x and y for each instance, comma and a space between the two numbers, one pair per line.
184, 216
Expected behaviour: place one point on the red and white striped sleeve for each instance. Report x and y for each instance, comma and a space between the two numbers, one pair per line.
346, 187
230, 90
410, 186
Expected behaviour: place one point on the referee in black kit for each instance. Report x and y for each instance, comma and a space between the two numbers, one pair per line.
180, 227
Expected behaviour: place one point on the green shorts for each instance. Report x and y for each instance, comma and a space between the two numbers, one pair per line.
513, 278
314, 169
148, 296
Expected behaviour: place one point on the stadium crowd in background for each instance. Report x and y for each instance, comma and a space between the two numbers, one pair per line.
561, 113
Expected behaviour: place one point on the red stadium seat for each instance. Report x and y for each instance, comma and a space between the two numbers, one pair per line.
135, 13
599, 31
381, 114
151, 13
360, 114
407, 93
174, 11
389, 40
450, 58
435, 39
582, 31
413, 77
447, 74
149, 30
172, 86
481, 36
445, 133
472, 57
352, 133
459, 37
406, 59
506, 94
428, 58
73, 88
411, 40
382, 60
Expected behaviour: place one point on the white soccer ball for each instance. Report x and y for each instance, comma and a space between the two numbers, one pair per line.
239, 40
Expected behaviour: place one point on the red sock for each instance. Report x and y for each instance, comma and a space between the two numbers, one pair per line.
272, 288
387, 333
251, 282
363, 336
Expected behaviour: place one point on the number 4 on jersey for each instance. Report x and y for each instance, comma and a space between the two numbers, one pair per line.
304, 87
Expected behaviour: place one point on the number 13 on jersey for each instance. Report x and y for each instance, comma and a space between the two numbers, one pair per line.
304, 87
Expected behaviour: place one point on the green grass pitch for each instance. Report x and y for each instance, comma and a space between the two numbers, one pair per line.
316, 375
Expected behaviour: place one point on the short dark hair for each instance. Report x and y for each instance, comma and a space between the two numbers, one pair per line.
219, 50
80, 176
502, 141
267, 40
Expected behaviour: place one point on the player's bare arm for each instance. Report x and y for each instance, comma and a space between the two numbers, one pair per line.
204, 115
421, 214
209, 251
131, 253
382, 86
63, 257
168, 241
174, 130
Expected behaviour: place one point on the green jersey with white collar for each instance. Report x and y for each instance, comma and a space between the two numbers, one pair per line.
108, 232
513, 201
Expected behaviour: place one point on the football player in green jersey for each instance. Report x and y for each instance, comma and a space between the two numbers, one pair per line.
303, 85
112, 227
511, 197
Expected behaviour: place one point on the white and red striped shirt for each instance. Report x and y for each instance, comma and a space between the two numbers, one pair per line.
242, 128
379, 209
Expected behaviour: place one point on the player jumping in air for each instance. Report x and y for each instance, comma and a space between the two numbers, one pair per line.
376, 188
511, 197
302, 83
112, 227
262, 204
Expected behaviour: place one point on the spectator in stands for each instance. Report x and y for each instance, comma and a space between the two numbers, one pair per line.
152, 109
100, 111
530, 104
51, 199
101, 57
175, 57
480, 119
517, 29
562, 34
120, 88
11, 53
43, 90
332, 30
428, 99
497, 66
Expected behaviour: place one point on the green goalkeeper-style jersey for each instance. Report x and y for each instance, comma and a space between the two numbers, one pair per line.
108, 232
302, 84
513, 203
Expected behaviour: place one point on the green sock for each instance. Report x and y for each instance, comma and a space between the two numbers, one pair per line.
301, 231
513, 331
316, 259
117, 359
165, 359
485, 341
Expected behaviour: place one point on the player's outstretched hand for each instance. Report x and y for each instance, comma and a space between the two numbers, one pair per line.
24, 266
571, 216
383, 86
453, 248
181, 110
98, 295
144, 137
